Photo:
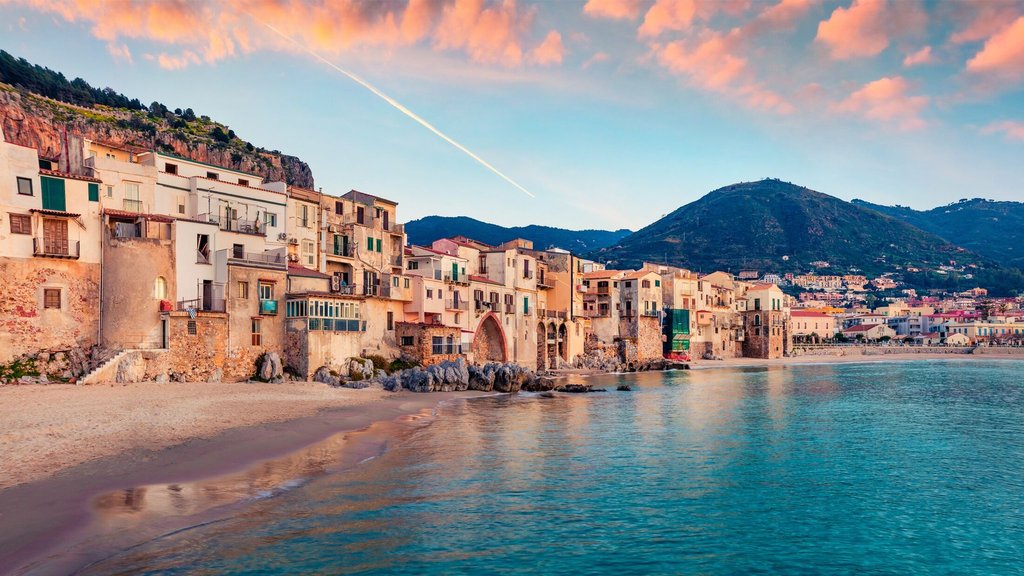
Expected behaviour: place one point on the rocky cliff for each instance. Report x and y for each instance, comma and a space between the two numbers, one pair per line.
48, 125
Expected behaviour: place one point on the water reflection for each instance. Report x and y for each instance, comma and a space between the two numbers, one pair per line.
837, 469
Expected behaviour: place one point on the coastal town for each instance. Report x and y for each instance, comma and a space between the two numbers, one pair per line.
130, 264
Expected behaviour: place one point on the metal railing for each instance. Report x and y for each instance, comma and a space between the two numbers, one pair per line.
554, 314
650, 313
543, 282
459, 279
241, 225
528, 275
453, 305
64, 250
274, 259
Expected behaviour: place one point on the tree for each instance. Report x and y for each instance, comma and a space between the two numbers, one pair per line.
188, 115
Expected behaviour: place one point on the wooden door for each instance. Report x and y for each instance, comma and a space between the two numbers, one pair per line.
55, 236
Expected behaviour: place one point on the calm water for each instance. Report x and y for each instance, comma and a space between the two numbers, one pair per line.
869, 468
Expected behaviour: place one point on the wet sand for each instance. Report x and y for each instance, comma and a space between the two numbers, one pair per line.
851, 358
52, 513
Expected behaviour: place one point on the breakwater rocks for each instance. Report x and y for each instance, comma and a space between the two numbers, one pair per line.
458, 375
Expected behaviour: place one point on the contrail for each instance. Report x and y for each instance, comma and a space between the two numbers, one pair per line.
396, 104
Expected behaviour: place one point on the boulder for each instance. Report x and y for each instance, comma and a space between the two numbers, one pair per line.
323, 374
215, 376
356, 384
131, 368
162, 378
624, 388
272, 368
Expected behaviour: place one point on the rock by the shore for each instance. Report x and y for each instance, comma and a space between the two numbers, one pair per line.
272, 368
624, 388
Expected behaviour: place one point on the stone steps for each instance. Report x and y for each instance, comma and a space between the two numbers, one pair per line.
100, 373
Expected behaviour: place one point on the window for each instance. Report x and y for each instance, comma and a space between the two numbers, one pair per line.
94, 192
160, 288
21, 224
308, 253
369, 244
414, 265
24, 186
192, 327
110, 191
242, 182
408, 341
437, 345
270, 219
243, 290
212, 175
266, 290
657, 283
391, 320
257, 335
645, 284
202, 248
131, 197
51, 298
430, 293
526, 305
406, 282
304, 216
394, 281
378, 245
338, 207
238, 251
170, 168
181, 204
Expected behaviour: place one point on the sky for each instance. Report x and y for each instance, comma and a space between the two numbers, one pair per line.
591, 114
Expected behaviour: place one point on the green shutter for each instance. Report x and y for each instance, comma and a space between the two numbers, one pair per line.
526, 304
378, 245
344, 245
94, 192
369, 244
53, 194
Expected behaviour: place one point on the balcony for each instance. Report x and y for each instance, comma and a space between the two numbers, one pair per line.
650, 313
200, 304
527, 274
396, 261
344, 251
268, 307
544, 283
51, 249
396, 229
552, 314
460, 279
459, 305
240, 225
603, 290
264, 259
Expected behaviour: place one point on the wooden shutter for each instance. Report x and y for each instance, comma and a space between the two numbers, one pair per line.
53, 194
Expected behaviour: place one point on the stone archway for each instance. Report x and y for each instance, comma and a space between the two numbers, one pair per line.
563, 347
489, 341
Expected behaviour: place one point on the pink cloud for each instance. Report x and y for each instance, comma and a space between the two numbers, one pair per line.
1010, 129
487, 31
676, 15
550, 51
1002, 56
119, 52
712, 64
786, 12
867, 27
614, 9
597, 58
886, 100
922, 56
985, 19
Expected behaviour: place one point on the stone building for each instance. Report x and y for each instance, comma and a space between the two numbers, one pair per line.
429, 343
49, 256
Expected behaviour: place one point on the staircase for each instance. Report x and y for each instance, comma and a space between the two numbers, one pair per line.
105, 371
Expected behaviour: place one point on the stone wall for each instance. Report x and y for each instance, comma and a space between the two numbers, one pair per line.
305, 351
764, 334
241, 352
199, 357
422, 335
26, 327
649, 339
131, 310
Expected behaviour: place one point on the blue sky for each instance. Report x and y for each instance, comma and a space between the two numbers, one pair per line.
612, 113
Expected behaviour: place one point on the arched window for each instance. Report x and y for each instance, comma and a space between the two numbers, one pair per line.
160, 288
757, 319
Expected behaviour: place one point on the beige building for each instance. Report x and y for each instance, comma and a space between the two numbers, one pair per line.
49, 256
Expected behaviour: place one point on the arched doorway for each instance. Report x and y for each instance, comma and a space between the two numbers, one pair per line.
563, 348
542, 363
489, 341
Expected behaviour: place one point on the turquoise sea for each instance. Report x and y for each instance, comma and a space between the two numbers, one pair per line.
875, 468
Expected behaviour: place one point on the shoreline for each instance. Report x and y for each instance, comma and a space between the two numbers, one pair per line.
43, 520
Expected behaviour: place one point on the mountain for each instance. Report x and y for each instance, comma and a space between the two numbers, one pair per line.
992, 229
772, 225
40, 108
425, 230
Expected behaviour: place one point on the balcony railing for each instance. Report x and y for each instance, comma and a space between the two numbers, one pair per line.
453, 305
510, 308
442, 349
53, 250
459, 279
270, 259
602, 290
268, 307
343, 251
553, 314
397, 229
211, 304
336, 324
528, 275
543, 282
241, 225
396, 261
652, 313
